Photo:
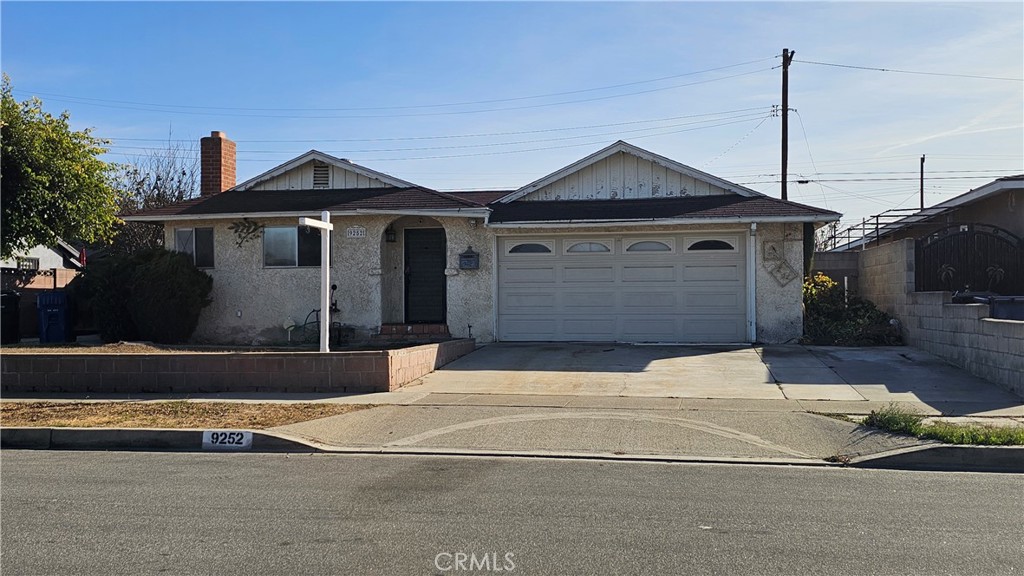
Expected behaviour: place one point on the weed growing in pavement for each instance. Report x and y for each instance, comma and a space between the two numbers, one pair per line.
899, 420
896, 419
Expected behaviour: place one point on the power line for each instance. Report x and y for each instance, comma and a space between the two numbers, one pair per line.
911, 71
75, 100
487, 145
737, 143
808, 144
413, 106
452, 136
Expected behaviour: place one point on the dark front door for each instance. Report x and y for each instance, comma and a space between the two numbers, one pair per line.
424, 276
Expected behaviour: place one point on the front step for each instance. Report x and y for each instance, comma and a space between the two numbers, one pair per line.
412, 333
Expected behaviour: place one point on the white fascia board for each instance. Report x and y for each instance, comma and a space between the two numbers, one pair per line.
457, 212
662, 222
628, 148
326, 158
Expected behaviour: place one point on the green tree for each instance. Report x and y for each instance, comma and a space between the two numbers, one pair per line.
53, 183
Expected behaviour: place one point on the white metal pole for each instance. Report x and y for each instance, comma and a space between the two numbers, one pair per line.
325, 226
325, 282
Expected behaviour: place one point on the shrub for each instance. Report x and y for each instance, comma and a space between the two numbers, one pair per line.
153, 295
834, 318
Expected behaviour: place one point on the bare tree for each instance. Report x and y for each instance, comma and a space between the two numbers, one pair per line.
154, 179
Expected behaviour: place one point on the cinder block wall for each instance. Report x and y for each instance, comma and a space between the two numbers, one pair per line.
840, 265
959, 333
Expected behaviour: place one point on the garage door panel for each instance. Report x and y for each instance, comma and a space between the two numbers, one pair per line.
704, 300
646, 329
703, 273
602, 274
527, 274
528, 301
714, 330
588, 328
656, 301
529, 328
604, 301
649, 273
670, 296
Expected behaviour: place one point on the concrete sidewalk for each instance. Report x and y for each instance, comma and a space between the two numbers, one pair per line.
708, 403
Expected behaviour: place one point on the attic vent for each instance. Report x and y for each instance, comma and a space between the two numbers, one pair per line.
321, 176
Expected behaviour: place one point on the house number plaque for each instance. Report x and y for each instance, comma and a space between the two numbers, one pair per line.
355, 232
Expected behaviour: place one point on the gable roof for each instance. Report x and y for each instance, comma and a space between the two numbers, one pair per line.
483, 197
327, 159
625, 147
237, 203
689, 209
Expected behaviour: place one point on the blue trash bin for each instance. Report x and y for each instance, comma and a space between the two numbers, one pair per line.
54, 318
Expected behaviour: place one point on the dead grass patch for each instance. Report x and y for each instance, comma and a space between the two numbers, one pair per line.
174, 414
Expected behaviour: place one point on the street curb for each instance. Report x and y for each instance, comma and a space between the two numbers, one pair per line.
146, 439
947, 458
931, 457
190, 440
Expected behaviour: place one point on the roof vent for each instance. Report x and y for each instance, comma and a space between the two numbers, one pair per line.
321, 175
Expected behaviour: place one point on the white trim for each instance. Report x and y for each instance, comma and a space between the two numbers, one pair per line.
570, 242
509, 245
733, 241
669, 243
327, 159
662, 221
494, 285
752, 283
627, 148
454, 212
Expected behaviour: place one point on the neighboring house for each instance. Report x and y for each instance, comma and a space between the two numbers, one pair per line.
42, 267
623, 245
36, 270
974, 241
999, 203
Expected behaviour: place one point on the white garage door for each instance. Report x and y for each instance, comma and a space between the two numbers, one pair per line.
667, 288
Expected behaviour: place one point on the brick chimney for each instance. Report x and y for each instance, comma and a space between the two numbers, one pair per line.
217, 164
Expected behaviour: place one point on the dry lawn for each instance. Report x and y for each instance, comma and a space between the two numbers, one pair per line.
176, 414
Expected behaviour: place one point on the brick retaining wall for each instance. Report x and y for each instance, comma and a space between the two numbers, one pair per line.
341, 372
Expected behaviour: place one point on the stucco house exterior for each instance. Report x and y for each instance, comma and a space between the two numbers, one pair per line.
622, 245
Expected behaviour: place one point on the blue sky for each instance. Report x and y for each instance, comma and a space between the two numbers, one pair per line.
400, 87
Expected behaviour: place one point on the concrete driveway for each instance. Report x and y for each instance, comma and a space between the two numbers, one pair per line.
790, 372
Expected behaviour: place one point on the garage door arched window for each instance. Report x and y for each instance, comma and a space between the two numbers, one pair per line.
587, 248
648, 246
710, 245
530, 248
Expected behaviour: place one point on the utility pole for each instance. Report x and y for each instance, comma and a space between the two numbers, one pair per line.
787, 58
922, 181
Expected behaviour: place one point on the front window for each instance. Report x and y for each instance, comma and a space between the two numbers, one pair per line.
197, 243
288, 246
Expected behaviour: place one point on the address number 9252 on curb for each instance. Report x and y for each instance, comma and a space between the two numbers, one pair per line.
227, 440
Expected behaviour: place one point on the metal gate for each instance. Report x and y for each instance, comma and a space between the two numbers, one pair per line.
970, 257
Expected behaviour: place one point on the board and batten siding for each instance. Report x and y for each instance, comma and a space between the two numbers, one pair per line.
301, 178
621, 177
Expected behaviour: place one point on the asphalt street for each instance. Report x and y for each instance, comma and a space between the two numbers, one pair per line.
163, 513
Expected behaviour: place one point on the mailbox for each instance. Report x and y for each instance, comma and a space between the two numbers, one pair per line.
469, 260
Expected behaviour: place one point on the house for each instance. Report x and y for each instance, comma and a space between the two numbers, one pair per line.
622, 245
34, 271
974, 241
999, 203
